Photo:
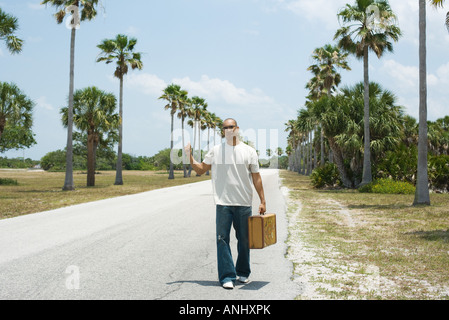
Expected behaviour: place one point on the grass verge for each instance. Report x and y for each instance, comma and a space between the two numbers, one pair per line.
42, 191
350, 245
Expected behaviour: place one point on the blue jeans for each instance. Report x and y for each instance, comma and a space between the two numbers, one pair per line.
225, 217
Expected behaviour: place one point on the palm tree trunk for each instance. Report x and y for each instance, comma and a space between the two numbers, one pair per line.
315, 152
118, 171
184, 159
297, 158
339, 162
90, 160
208, 141
422, 183
69, 184
304, 157
194, 145
199, 144
171, 174
322, 146
367, 175
310, 168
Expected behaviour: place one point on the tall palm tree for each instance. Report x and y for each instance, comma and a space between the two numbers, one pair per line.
439, 3
422, 195
342, 117
209, 123
305, 123
327, 60
94, 114
121, 51
8, 26
326, 78
184, 104
218, 128
294, 144
360, 34
172, 95
16, 118
198, 109
214, 122
88, 12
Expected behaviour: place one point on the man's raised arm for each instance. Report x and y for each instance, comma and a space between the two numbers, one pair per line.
200, 168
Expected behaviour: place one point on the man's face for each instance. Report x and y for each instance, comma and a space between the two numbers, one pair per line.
230, 129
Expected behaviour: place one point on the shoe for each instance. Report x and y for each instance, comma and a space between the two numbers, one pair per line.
243, 279
228, 285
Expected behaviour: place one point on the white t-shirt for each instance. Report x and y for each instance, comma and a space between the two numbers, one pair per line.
231, 173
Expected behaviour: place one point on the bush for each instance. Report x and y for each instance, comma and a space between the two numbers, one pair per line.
326, 176
388, 186
399, 164
8, 182
439, 172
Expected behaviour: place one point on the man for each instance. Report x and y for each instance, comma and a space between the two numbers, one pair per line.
234, 167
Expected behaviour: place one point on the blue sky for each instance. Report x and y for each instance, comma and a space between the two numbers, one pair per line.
247, 58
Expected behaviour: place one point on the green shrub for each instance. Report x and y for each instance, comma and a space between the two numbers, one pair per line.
439, 172
388, 186
326, 176
8, 182
399, 164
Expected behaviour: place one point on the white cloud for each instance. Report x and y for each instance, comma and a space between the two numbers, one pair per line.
132, 30
407, 76
211, 89
251, 32
443, 74
215, 89
42, 103
405, 83
148, 83
322, 12
35, 6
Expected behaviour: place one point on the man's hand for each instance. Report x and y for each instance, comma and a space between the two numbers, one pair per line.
188, 151
262, 208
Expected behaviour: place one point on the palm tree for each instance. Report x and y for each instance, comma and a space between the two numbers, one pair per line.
198, 109
326, 78
88, 12
327, 60
16, 118
294, 145
342, 118
214, 122
94, 114
120, 50
8, 26
209, 123
422, 195
172, 95
439, 3
184, 104
360, 34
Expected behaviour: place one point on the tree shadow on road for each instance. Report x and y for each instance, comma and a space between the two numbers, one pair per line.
252, 285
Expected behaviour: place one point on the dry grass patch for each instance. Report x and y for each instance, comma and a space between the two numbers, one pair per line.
367, 246
42, 191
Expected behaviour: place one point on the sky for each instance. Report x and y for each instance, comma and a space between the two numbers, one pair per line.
247, 58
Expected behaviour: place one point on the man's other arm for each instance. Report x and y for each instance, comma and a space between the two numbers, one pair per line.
257, 181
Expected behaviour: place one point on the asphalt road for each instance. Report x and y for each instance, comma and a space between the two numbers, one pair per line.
154, 245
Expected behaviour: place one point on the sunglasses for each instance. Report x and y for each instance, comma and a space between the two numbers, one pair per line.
230, 127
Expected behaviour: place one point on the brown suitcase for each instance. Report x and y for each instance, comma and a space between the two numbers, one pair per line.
262, 231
